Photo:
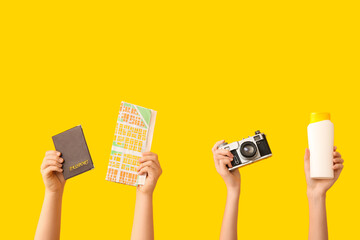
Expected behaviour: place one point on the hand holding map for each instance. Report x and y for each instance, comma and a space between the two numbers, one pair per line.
133, 135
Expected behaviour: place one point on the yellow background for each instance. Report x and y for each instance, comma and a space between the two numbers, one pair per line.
213, 70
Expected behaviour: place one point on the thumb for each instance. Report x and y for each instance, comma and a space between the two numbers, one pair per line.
223, 166
307, 157
60, 176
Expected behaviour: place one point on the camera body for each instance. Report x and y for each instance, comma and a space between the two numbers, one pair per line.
248, 150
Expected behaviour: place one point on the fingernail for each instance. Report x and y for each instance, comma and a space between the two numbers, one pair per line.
61, 160
58, 153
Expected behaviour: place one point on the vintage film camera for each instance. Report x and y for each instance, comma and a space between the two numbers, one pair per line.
248, 150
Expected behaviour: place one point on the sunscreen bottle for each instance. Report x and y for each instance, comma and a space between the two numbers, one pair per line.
321, 144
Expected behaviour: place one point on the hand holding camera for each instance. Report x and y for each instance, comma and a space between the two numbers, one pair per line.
229, 157
223, 159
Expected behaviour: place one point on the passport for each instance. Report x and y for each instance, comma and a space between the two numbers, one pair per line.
74, 150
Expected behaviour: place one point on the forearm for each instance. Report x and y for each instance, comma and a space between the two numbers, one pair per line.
143, 227
229, 224
317, 216
50, 217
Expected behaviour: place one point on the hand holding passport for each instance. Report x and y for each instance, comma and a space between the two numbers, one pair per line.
74, 150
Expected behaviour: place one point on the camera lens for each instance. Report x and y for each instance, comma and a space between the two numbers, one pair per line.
248, 149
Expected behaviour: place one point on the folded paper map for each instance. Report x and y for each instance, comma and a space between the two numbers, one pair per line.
133, 135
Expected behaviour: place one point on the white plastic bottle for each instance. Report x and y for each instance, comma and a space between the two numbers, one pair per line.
321, 144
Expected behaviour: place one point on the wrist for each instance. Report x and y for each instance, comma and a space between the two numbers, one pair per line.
315, 193
233, 191
232, 185
54, 194
140, 194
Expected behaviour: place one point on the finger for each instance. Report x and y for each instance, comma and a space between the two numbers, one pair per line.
219, 157
151, 171
335, 147
336, 154
338, 160
149, 159
226, 161
52, 152
217, 144
222, 164
55, 158
50, 163
51, 156
144, 170
51, 169
338, 166
225, 158
147, 164
223, 152
148, 154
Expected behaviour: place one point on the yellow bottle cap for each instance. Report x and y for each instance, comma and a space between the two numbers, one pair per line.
319, 116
